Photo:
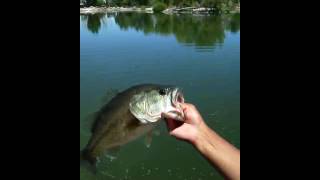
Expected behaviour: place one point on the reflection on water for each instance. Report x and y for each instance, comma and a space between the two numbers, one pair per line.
200, 31
94, 22
121, 50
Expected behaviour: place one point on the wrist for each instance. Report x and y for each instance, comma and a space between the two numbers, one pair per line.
201, 140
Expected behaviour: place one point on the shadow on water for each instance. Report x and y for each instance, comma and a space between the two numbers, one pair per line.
190, 30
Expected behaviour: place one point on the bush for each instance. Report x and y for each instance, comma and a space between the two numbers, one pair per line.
100, 2
143, 8
159, 7
95, 2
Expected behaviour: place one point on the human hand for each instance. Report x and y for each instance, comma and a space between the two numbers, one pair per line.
220, 153
190, 128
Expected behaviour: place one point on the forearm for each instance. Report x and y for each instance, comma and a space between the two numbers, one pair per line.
224, 156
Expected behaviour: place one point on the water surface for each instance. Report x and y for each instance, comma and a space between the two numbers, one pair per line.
200, 54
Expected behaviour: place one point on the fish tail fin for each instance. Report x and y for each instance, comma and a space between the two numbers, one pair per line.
87, 161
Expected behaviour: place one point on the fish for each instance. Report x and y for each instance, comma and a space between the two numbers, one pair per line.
130, 114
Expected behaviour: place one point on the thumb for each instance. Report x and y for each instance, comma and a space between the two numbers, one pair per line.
183, 132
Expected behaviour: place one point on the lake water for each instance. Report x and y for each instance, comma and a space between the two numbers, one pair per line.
200, 54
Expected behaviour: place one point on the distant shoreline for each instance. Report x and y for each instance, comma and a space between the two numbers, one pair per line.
94, 10
171, 10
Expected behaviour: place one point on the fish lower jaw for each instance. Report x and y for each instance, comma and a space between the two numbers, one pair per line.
176, 115
145, 120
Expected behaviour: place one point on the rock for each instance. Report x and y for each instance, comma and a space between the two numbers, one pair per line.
191, 10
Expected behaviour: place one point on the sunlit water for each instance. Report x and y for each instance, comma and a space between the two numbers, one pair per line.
200, 54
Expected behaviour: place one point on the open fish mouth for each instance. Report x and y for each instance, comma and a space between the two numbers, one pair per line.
149, 106
177, 112
177, 97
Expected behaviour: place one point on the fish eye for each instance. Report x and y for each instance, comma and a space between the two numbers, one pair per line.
162, 91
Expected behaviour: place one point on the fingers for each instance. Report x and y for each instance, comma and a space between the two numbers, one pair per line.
185, 105
184, 132
170, 124
178, 132
187, 110
179, 116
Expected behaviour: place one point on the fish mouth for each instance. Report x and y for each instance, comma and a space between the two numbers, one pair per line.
177, 97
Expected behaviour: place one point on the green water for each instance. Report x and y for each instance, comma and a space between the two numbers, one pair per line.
200, 54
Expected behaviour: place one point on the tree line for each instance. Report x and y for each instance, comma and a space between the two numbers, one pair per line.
219, 5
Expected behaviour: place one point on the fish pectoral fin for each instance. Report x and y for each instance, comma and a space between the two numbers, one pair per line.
156, 132
148, 139
89, 120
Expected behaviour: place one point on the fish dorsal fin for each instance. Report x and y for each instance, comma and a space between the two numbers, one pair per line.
89, 120
95, 123
111, 93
